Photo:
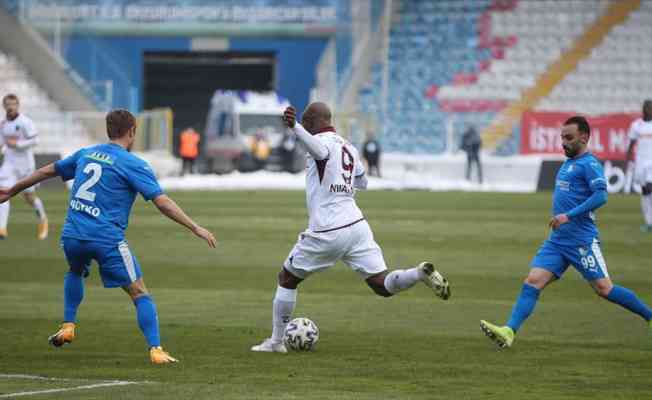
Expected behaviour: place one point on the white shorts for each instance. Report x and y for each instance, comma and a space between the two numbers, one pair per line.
643, 172
11, 173
354, 245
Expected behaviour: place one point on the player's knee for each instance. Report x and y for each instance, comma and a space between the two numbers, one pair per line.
287, 280
136, 289
535, 281
603, 290
378, 286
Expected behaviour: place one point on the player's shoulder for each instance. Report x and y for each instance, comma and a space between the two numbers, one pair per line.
24, 119
591, 161
133, 162
637, 123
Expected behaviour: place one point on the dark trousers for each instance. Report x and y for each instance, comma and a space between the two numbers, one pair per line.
473, 158
374, 167
188, 166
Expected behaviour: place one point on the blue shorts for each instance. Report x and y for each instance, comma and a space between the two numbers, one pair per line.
587, 260
118, 267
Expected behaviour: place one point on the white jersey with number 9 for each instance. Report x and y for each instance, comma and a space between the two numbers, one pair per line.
330, 184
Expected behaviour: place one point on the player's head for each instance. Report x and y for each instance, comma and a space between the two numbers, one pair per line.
647, 110
10, 103
316, 117
121, 127
575, 135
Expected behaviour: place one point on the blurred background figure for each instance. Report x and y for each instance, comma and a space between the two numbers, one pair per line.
371, 154
471, 145
189, 150
640, 136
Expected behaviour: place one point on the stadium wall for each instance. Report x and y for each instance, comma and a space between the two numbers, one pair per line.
120, 59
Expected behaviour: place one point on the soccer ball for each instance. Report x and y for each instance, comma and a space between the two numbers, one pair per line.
301, 334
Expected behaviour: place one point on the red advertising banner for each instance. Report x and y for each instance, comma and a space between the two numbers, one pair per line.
540, 134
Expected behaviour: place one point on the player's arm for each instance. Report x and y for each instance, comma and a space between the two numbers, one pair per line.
31, 138
633, 138
315, 147
26, 143
630, 150
170, 209
598, 186
360, 181
37, 176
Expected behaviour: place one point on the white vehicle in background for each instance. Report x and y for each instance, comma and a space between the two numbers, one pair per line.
244, 132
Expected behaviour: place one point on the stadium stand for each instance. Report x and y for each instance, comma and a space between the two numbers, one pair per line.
432, 44
615, 77
55, 128
465, 62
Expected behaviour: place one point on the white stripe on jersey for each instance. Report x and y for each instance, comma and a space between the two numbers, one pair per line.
128, 260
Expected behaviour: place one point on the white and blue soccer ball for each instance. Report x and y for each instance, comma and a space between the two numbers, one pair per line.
301, 334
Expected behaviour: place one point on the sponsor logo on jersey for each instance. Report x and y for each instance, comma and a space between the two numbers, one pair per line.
563, 185
79, 206
101, 157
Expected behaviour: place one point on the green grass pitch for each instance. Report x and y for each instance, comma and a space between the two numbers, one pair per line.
214, 304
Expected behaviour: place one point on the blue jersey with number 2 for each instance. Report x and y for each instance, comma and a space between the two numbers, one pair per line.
107, 180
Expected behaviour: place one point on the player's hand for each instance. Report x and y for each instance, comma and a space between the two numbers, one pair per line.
290, 117
5, 194
11, 142
206, 235
557, 221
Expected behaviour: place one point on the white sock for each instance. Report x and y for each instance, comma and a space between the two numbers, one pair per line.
40, 209
4, 215
284, 302
646, 206
402, 279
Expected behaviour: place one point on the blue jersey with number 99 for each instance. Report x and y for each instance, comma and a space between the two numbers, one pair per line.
107, 180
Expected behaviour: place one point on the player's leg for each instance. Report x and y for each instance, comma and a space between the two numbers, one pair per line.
312, 253
646, 206
79, 259
120, 268
36, 203
4, 219
7, 179
622, 296
547, 266
147, 317
591, 264
388, 283
366, 257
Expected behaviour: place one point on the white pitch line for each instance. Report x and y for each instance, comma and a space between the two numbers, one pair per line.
36, 377
97, 385
44, 378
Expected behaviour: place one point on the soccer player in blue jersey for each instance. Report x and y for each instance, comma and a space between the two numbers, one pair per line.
580, 189
107, 180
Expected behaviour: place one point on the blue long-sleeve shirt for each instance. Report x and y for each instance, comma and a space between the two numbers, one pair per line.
580, 189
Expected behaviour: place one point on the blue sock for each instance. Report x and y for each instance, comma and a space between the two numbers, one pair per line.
630, 301
148, 320
73, 294
524, 306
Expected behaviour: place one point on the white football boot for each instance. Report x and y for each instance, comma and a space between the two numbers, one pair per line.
434, 280
269, 346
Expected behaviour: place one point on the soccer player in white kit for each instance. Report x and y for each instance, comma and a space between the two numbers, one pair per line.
17, 137
337, 229
640, 135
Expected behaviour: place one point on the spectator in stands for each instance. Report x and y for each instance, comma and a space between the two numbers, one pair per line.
371, 154
471, 144
189, 150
